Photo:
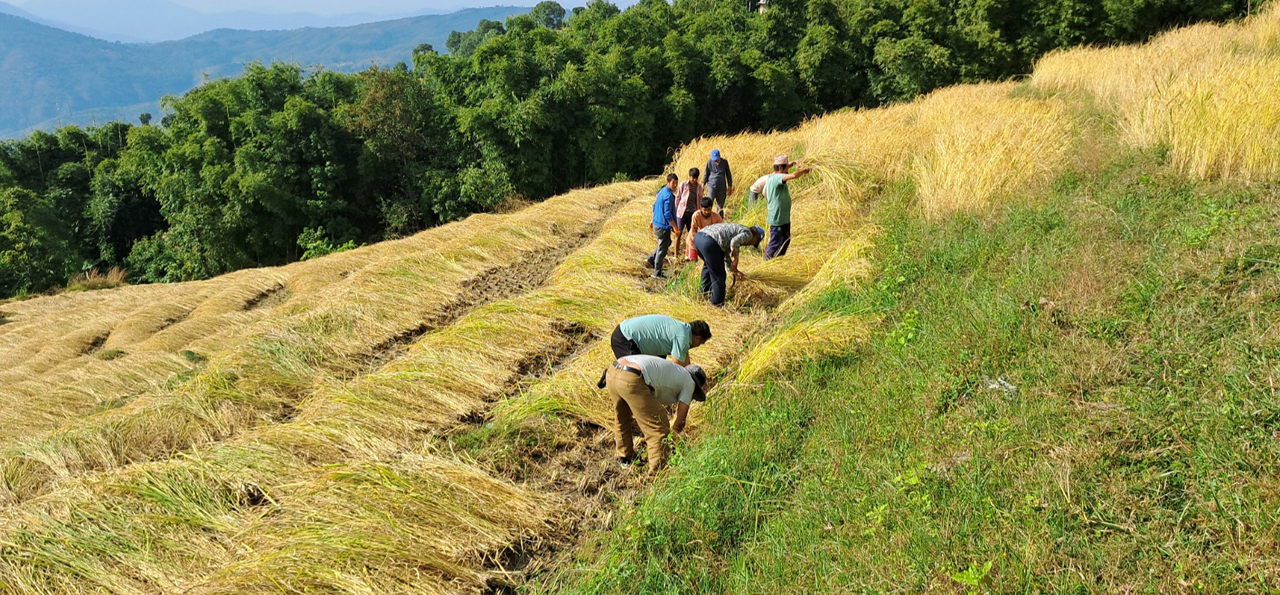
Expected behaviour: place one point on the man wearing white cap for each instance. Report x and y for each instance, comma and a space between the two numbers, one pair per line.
779, 198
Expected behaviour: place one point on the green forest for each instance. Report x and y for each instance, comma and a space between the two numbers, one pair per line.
281, 163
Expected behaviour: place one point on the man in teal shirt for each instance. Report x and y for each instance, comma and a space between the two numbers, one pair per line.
778, 197
659, 336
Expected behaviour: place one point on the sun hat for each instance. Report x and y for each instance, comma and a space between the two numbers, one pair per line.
715, 154
781, 160
699, 379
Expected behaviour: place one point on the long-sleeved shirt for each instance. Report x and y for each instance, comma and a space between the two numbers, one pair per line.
687, 196
731, 237
758, 187
718, 174
664, 209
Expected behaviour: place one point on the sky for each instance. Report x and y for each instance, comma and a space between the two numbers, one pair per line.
337, 7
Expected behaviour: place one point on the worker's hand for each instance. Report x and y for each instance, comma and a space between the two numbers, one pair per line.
739, 275
678, 427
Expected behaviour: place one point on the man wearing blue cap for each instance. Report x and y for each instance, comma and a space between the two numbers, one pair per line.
718, 245
719, 179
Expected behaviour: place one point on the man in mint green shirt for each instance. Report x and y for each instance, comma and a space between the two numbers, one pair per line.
659, 336
778, 196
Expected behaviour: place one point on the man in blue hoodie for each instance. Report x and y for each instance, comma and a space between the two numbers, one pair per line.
664, 222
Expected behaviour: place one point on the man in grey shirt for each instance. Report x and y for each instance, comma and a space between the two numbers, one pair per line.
718, 246
642, 385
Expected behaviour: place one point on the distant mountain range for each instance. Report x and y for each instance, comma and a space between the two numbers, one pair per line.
162, 20
49, 76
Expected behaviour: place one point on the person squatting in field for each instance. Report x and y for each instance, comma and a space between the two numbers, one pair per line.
664, 222
642, 386
718, 246
703, 217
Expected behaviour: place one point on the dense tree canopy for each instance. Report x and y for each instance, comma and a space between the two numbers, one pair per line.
255, 170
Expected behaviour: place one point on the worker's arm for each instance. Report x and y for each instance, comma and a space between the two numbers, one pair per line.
734, 268
682, 412
796, 174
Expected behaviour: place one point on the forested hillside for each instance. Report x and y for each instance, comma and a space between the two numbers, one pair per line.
49, 76
259, 169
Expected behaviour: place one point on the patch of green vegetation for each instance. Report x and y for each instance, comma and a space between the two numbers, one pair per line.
1074, 394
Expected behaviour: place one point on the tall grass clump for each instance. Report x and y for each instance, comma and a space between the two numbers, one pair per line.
1207, 94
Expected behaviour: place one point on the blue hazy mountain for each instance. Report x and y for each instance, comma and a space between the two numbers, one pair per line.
49, 76
162, 20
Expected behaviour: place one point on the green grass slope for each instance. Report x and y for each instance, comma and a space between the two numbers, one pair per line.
1073, 392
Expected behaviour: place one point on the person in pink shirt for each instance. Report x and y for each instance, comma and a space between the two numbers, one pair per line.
687, 202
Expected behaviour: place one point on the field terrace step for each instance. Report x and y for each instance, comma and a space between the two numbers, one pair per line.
262, 375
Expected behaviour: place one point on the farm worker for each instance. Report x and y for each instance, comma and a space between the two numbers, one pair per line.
701, 218
719, 179
779, 198
687, 198
718, 245
641, 386
757, 188
663, 223
659, 336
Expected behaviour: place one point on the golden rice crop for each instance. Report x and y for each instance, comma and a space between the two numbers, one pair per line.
312, 429
1207, 93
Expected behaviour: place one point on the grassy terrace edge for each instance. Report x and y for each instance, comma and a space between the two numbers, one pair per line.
1072, 392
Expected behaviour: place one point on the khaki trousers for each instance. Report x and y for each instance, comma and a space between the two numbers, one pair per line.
634, 400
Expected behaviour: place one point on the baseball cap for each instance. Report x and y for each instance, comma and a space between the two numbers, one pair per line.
715, 154
758, 230
781, 160
699, 379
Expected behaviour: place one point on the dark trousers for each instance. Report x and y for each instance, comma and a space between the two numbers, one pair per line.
622, 347
719, 193
779, 241
686, 221
713, 276
658, 257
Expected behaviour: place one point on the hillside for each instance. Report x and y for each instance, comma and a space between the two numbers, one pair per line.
50, 77
1024, 341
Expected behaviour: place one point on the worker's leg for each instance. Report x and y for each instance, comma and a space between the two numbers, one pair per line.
653, 422
660, 253
712, 256
619, 384
718, 280
779, 239
720, 194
